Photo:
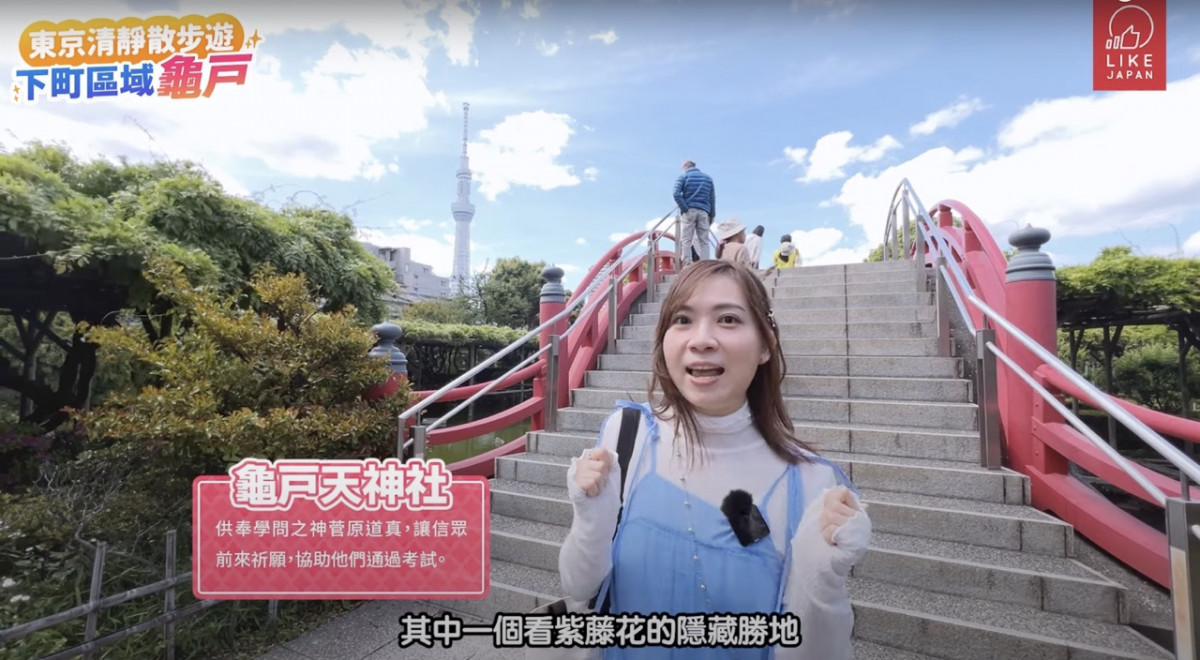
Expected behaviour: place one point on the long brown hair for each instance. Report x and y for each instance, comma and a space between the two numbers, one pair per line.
767, 410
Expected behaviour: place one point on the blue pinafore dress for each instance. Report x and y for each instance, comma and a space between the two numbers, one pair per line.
661, 565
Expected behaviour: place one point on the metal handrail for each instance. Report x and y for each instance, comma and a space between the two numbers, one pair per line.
939, 240
595, 301
1083, 428
1139, 428
490, 386
604, 276
432, 398
942, 247
599, 299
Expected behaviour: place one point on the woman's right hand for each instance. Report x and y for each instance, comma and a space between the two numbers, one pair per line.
591, 470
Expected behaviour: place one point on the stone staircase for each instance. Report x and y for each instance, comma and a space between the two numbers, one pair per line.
960, 567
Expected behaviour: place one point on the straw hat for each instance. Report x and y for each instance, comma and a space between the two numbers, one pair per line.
729, 228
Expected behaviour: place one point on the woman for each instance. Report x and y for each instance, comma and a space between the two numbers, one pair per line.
718, 429
731, 247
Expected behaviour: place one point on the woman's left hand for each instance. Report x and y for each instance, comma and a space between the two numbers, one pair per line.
840, 506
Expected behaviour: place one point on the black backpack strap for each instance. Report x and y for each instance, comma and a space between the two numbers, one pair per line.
630, 419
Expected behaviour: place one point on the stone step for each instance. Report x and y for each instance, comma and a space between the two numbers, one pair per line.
788, 289
884, 473
514, 588
872, 269
964, 481
886, 440
827, 435
966, 628
887, 366
835, 274
836, 314
859, 387
825, 302
892, 440
815, 287
870, 651
915, 414
821, 331
1004, 526
1054, 584
852, 347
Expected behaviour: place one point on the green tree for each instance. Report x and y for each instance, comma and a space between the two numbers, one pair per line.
1118, 278
1145, 358
457, 310
267, 374
95, 227
508, 293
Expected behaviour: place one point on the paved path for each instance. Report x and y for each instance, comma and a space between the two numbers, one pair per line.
371, 631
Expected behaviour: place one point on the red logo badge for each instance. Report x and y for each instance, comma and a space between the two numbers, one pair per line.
1129, 45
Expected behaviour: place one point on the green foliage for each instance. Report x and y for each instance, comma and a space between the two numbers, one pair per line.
448, 310
116, 219
508, 295
1145, 366
1119, 278
266, 374
457, 334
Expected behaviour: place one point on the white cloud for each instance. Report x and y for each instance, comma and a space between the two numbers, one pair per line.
837, 256
1191, 247
833, 152
581, 241
607, 38
569, 268
820, 246
522, 150
1076, 166
530, 9
547, 49
409, 224
796, 155
590, 173
460, 29
815, 242
436, 252
617, 237
259, 121
947, 117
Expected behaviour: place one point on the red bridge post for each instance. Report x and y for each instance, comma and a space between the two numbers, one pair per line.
553, 301
1031, 305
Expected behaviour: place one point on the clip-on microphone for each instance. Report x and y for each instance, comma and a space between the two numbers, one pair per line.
744, 517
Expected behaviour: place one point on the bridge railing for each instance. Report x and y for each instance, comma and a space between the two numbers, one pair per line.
566, 351
1009, 310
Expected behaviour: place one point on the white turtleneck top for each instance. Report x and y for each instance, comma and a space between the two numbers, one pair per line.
735, 456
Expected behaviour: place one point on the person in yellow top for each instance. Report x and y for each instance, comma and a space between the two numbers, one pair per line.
787, 256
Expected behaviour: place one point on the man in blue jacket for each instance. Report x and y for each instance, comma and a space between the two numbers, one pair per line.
697, 201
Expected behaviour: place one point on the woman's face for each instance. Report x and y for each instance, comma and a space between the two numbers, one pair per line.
712, 347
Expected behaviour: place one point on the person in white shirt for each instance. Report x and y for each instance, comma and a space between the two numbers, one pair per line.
724, 509
754, 245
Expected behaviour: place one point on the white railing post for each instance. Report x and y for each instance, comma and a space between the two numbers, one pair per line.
990, 446
552, 367
612, 315
942, 297
1183, 518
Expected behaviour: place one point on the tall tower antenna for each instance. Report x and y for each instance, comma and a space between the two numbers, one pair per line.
463, 211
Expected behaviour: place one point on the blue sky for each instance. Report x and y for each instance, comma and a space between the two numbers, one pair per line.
806, 113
